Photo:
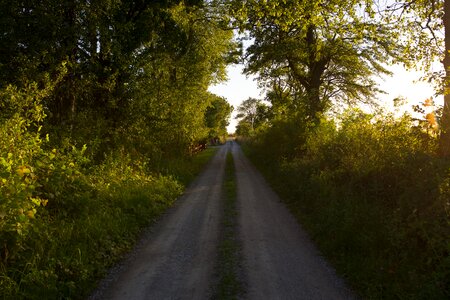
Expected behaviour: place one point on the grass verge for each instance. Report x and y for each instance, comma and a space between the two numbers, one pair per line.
383, 250
228, 266
184, 170
72, 244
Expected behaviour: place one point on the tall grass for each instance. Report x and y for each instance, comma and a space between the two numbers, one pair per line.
374, 197
73, 243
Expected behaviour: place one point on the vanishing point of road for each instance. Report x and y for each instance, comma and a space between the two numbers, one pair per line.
177, 258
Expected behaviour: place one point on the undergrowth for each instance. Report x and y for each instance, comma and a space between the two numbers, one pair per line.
185, 169
373, 196
65, 220
69, 246
68, 213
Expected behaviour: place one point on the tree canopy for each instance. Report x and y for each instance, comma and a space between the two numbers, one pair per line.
137, 66
317, 53
217, 116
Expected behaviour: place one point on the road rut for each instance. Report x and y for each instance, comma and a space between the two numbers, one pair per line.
177, 259
280, 261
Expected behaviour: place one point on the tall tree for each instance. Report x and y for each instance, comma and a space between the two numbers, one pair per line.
326, 50
130, 65
170, 89
252, 111
444, 146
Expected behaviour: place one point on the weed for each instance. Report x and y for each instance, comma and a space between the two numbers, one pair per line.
374, 198
229, 285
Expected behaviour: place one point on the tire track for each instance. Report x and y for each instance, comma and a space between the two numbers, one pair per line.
280, 261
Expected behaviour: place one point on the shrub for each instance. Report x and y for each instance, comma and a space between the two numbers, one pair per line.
20, 144
373, 195
64, 220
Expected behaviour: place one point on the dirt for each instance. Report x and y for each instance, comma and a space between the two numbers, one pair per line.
176, 259
280, 261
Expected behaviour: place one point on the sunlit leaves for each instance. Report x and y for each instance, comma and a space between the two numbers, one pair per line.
169, 91
217, 116
325, 51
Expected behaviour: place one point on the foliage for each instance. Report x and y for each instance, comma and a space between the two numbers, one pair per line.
185, 169
30, 174
252, 114
216, 118
171, 96
317, 53
421, 23
368, 187
425, 32
100, 104
70, 245
370, 191
140, 68
66, 252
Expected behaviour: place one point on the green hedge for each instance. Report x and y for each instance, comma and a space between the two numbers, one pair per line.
374, 197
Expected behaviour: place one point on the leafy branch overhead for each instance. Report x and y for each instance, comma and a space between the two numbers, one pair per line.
319, 53
322, 54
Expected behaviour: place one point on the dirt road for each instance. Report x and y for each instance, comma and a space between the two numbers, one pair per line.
176, 261
280, 261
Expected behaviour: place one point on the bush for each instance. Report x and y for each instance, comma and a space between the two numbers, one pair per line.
21, 165
80, 235
375, 198
63, 219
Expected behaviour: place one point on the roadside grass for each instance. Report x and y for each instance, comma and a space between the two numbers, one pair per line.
381, 254
375, 200
229, 286
71, 246
185, 169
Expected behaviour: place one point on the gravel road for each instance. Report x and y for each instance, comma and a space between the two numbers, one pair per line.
280, 261
176, 259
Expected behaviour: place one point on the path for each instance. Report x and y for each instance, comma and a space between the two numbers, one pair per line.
279, 259
177, 260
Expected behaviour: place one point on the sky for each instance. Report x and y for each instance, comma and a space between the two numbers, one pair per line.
403, 83
236, 89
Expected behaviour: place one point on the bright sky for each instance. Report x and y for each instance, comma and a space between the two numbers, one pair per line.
237, 89
402, 83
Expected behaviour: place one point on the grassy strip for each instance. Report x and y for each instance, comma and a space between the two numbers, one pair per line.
229, 286
72, 245
185, 170
381, 255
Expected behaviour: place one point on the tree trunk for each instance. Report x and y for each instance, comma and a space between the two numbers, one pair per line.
444, 142
315, 108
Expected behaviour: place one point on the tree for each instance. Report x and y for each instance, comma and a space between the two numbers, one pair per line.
324, 52
421, 23
169, 92
253, 112
444, 145
243, 128
217, 116
131, 65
